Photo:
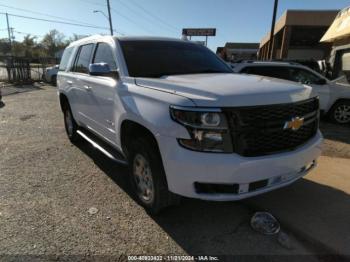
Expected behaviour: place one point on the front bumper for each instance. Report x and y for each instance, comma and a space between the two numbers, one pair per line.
184, 168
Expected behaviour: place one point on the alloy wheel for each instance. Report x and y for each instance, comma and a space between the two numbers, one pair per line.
143, 179
342, 114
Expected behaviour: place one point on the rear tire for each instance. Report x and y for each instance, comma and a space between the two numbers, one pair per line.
147, 176
54, 80
340, 112
70, 125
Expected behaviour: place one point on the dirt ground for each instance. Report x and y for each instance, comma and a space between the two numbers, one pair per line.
48, 186
337, 140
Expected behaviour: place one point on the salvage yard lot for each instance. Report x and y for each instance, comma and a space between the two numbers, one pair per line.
48, 185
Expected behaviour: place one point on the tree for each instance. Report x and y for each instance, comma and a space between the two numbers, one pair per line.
4, 46
30, 47
53, 41
29, 43
75, 37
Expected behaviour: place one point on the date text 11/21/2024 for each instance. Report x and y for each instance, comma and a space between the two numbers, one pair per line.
173, 258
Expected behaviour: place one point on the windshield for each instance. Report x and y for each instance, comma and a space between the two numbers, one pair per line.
152, 58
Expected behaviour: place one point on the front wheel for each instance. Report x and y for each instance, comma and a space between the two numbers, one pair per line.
148, 177
340, 112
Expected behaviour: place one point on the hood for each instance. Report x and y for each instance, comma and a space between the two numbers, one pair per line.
229, 90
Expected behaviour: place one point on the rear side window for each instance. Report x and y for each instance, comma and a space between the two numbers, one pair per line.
303, 76
83, 59
65, 58
269, 71
104, 54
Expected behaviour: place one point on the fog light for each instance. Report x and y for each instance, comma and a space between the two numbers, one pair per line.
217, 137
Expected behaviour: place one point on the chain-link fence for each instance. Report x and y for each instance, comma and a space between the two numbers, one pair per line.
24, 69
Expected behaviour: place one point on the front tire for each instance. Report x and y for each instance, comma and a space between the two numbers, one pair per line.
70, 125
340, 113
148, 177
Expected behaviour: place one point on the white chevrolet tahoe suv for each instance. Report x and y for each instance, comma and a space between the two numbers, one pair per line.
183, 122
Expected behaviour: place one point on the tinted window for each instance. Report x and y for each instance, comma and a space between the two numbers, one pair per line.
161, 58
288, 73
83, 60
104, 54
303, 76
65, 58
270, 71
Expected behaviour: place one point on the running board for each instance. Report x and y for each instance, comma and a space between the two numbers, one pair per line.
115, 156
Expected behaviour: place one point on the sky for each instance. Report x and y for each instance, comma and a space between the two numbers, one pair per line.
235, 20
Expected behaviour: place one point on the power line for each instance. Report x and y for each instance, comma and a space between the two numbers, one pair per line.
55, 21
153, 15
44, 14
119, 14
124, 4
23, 33
130, 20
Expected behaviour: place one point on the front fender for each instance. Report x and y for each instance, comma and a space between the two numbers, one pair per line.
149, 108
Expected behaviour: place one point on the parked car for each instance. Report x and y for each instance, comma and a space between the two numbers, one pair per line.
334, 97
183, 122
50, 74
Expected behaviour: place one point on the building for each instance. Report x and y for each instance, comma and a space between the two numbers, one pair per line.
338, 35
297, 36
241, 51
220, 51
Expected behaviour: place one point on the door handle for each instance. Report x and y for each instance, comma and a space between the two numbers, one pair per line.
69, 82
87, 88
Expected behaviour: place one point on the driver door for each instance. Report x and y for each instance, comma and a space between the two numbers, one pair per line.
103, 94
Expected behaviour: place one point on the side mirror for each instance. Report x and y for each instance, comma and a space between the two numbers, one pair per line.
102, 69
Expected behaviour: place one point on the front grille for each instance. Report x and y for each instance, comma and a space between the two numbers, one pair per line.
259, 130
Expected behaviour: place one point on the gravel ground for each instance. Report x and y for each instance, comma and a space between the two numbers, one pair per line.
337, 140
47, 187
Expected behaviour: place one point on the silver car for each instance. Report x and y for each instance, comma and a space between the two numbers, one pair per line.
50, 74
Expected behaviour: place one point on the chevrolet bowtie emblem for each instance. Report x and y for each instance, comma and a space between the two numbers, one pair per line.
294, 124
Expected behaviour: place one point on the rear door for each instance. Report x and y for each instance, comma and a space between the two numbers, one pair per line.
79, 80
102, 92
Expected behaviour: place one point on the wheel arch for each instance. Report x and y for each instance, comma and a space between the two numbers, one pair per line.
336, 102
130, 129
64, 102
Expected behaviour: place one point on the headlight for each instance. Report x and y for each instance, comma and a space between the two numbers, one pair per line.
207, 127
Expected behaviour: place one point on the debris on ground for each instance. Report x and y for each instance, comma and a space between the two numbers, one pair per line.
92, 210
265, 223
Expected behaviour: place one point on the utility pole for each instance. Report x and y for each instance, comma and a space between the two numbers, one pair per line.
271, 45
110, 17
9, 31
12, 34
